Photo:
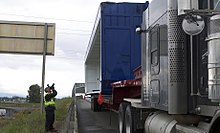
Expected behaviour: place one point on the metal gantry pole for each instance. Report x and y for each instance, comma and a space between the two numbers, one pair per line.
43, 66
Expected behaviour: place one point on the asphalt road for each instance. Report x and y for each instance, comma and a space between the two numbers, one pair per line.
95, 122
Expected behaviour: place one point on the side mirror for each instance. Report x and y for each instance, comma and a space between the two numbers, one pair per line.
193, 24
139, 30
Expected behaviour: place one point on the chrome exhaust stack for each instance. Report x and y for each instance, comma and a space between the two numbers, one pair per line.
214, 59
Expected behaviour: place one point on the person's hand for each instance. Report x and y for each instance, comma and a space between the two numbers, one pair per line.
52, 88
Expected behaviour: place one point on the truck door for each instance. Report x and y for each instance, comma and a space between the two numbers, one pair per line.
154, 64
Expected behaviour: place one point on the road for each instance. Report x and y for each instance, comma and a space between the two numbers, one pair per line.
95, 122
9, 111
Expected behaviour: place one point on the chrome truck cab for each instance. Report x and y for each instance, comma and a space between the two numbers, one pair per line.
180, 70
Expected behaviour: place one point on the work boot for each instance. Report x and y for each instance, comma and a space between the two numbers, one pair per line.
53, 130
47, 131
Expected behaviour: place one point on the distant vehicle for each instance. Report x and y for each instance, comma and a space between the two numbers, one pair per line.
80, 94
2, 112
78, 89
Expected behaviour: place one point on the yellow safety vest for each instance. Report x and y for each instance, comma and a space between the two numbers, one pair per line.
51, 102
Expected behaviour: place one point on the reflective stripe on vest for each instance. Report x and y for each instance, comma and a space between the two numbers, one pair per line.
51, 102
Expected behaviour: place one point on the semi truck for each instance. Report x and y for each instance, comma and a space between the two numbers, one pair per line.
176, 88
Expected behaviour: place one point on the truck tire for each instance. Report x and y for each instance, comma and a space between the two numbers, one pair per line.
130, 120
215, 123
94, 104
121, 117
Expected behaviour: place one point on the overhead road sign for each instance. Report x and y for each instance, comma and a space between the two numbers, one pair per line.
26, 37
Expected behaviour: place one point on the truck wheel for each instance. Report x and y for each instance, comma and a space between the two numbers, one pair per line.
129, 127
121, 117
94, 104
215, 124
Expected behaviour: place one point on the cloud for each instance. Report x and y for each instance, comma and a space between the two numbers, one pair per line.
63, 72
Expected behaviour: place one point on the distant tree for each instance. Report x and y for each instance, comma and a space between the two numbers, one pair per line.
34, 93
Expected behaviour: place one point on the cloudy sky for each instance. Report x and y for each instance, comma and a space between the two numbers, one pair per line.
74, 22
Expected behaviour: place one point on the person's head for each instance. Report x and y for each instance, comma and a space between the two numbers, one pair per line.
47, 90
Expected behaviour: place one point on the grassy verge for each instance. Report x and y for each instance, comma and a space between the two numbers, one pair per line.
32, 105
61, 111
33, 121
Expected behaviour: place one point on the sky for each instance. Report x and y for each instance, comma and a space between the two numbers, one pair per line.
74, 21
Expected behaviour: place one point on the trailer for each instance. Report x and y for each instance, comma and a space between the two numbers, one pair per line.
114, 50
176, 88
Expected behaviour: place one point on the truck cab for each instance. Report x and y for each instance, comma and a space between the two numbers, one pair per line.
180, 70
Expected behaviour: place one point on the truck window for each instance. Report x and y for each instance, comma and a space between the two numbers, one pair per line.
154, 42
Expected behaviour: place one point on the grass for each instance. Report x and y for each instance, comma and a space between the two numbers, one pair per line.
33, 105
62, 108
33, 121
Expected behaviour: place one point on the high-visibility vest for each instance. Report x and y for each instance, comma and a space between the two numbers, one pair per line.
51, 102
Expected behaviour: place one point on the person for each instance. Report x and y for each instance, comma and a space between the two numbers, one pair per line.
49, 103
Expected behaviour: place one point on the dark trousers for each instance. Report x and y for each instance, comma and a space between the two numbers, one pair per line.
50, 117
